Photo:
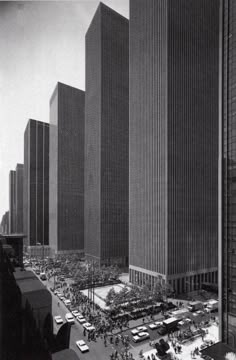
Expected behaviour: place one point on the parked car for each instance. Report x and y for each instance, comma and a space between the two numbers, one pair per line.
75, 313
43, 276
67, 302
134, 332
141, 328
141, 336
88, 326
69, 318
153, 326
81, 320
82, 346
58, 319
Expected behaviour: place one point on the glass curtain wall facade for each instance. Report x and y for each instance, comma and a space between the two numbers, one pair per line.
66, 183
174, 51
19, 198
228, 246
107, 137
12, 202
36, 182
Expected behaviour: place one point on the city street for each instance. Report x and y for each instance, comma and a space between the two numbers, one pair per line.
98, 351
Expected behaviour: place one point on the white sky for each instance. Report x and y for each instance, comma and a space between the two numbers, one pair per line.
41, 43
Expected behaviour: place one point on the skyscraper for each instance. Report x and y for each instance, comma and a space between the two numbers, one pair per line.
227, 233
5, 223
19, 197
12, 202
107, 137
173, 142
36, 182
66, 199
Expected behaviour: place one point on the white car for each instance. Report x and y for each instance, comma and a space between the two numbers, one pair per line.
82, 346
142, 328
60, 295
81, 320
153, 326
75, 313
58, 319
88, 326
141, 336
134, 332
159, 323
69, 318
67, 302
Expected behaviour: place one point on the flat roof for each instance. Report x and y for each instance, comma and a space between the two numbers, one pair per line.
32, 289
170, 320
26, 274
67, 354
12, 236
218, 351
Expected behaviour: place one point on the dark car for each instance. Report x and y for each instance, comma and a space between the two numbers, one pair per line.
162, 330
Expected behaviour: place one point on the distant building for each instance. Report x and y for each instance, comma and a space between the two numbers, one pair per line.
107, 137
5, 223
227, 202
12, 202
174, 67
36, 182
19, 197
66, 195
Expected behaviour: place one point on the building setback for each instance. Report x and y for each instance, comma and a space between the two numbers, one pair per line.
36, 182
227, 184
12, 202
66, 200
173, 142
19, 197
106, 137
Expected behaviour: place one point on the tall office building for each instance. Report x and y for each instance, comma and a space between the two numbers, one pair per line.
36, 183
66, 184
5, 223
173, 142
106, 137
12, 202
19, 197
227, 233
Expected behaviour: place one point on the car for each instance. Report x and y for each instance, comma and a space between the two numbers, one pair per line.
134, 332
88, 326
67, 302
187, 320
58, 319
200, 312
81, 320
37, 272
60, 295
43, 276
75, 313
141, 336
153, 326
69, 318
141, 328
162, 330
82, 346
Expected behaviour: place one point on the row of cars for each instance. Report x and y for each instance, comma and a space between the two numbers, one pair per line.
70, 318
163, 327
